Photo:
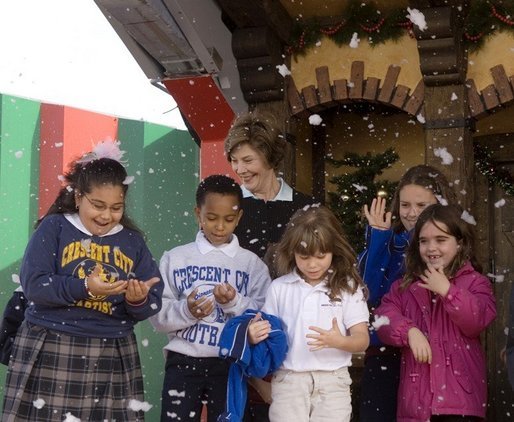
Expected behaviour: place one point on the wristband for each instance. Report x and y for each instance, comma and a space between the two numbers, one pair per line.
91, 295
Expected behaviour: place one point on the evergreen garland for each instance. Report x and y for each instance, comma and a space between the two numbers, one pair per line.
496, 175
485, 17
354, 190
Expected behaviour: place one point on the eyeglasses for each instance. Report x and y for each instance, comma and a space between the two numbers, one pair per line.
100, 206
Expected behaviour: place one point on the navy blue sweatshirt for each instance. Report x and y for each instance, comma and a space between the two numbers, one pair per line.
58, 258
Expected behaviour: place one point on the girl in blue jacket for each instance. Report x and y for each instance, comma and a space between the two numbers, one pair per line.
380, 264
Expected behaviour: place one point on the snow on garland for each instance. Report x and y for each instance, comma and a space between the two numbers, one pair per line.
485, 17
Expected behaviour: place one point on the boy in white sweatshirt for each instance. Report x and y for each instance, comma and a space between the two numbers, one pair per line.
205, 283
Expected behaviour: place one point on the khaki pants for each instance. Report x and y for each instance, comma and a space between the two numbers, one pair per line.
311, 396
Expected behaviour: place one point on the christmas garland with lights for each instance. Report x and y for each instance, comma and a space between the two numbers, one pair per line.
496, 175
485, 17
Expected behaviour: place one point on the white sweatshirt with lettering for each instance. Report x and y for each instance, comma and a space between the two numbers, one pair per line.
200, 265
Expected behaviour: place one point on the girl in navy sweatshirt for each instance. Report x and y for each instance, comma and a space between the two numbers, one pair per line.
89, 278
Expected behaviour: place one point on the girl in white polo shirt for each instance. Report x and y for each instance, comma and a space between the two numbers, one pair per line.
321, 303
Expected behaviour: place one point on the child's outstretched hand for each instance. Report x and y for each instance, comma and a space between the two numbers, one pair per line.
420, 346
435, 280
224, 293
137, 291
201, 306
376, 215
258, 329
325, 338
98, 287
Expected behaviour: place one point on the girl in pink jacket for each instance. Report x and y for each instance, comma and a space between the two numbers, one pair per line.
436, 313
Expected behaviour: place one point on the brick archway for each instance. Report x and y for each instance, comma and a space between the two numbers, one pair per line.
313, 99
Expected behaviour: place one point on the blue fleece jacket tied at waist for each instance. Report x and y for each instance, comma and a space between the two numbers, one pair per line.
248, 360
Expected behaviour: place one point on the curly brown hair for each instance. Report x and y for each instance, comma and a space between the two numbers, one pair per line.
261, 132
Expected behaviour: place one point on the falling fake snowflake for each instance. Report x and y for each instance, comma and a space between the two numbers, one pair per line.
360, 188
39, 403
379, 321
497, 278
175, 393
128, 180
144, 342
283, 70
315, 119
454, 96
468, 218
354, 42
500, 203
417, 18
15, 278
441, 200
71, 418
444, 155
18, 154
137, 405
420, 118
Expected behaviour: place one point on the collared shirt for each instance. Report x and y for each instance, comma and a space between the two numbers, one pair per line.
204, 246
77, 222
300, 305
285, 192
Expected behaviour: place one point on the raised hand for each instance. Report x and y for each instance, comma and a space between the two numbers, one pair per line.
137, 291
376, 215
435, 280
224, 293
98, 287
200, 306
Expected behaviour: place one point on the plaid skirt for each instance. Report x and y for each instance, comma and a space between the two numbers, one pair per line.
53, 375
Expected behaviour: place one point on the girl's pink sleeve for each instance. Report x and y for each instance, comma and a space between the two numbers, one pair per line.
391, 325
473, 308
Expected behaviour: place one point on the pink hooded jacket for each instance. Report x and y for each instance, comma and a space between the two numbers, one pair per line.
456, 381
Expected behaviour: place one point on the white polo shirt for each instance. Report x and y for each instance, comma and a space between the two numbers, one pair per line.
300, 305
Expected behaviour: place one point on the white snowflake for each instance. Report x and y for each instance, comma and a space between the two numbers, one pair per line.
39, 403
354, 42
444, 155
380, 321
283, 70
315, 119
360, 188
497, 278
468, 218
137, 405
71, 418
417, 18
175, 393
128, 180
499, 203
